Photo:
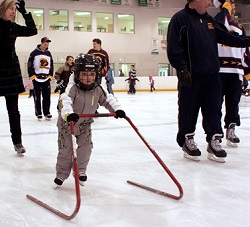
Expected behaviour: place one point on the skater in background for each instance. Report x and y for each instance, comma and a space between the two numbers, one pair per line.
81, 97
110, 81
132, 80
63, 73
11, 81
41, 70
231, 71
199, 86
151, 83
30, 86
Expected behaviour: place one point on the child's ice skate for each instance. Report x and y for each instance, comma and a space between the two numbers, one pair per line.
215, 152
58, 182
190, 148
232, 139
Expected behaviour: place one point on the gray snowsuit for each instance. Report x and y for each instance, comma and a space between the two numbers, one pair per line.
78, 101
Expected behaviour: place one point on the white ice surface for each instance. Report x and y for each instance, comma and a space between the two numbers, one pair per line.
215, 194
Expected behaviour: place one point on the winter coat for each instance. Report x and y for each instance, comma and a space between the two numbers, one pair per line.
76, 100
11, 82
192, 41
109, 77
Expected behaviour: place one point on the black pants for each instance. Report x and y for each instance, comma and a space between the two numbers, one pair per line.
204, 95
231, 90
44, 88
14, 118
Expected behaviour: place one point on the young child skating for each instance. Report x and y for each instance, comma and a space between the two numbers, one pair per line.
81, 97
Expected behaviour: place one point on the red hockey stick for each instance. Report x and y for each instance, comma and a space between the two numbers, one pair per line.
163, 166
77, 187
155, 155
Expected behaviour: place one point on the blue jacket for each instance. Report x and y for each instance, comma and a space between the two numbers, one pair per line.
192, 41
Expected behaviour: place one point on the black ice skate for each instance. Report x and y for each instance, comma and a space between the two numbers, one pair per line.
19, 149
215, 152
232, 139
190, 148
58, 182
82, 178
39, 117
48, 117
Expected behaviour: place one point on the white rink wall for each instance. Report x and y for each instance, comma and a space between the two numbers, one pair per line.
168, 83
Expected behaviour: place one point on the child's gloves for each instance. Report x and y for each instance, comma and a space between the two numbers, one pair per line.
120, 114
60, 85
73, 117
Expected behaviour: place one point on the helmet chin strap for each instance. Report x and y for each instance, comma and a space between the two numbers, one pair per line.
86, 87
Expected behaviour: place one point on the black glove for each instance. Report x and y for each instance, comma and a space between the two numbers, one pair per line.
20, 5
184, 77
120, 114
60, 84
73, 117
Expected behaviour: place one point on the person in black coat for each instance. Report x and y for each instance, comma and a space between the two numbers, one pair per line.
192, 50
11, 82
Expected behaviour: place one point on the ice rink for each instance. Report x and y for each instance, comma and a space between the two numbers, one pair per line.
215, 194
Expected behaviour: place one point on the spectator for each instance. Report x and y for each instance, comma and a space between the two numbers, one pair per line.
192, 50
40, 69
121, 74
102, 57
11, 82
63, 73
231, 71
110, 81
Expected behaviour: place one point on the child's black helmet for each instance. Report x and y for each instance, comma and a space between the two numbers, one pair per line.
86, 62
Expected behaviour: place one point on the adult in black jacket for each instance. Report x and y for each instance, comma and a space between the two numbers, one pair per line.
11, 83
192, 49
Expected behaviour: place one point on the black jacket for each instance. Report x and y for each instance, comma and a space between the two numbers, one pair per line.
11, 81
192, 41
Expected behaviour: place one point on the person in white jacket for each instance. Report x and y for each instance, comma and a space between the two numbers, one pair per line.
82, 96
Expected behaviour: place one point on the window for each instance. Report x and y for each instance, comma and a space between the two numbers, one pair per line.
38, 16
58, 20
163, 23
104, 22
164, 70
82, 21
126, 23
125, 68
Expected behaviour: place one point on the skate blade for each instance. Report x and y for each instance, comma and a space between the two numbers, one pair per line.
193, 158
230, 144
212, 157
56, 186
81, 183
